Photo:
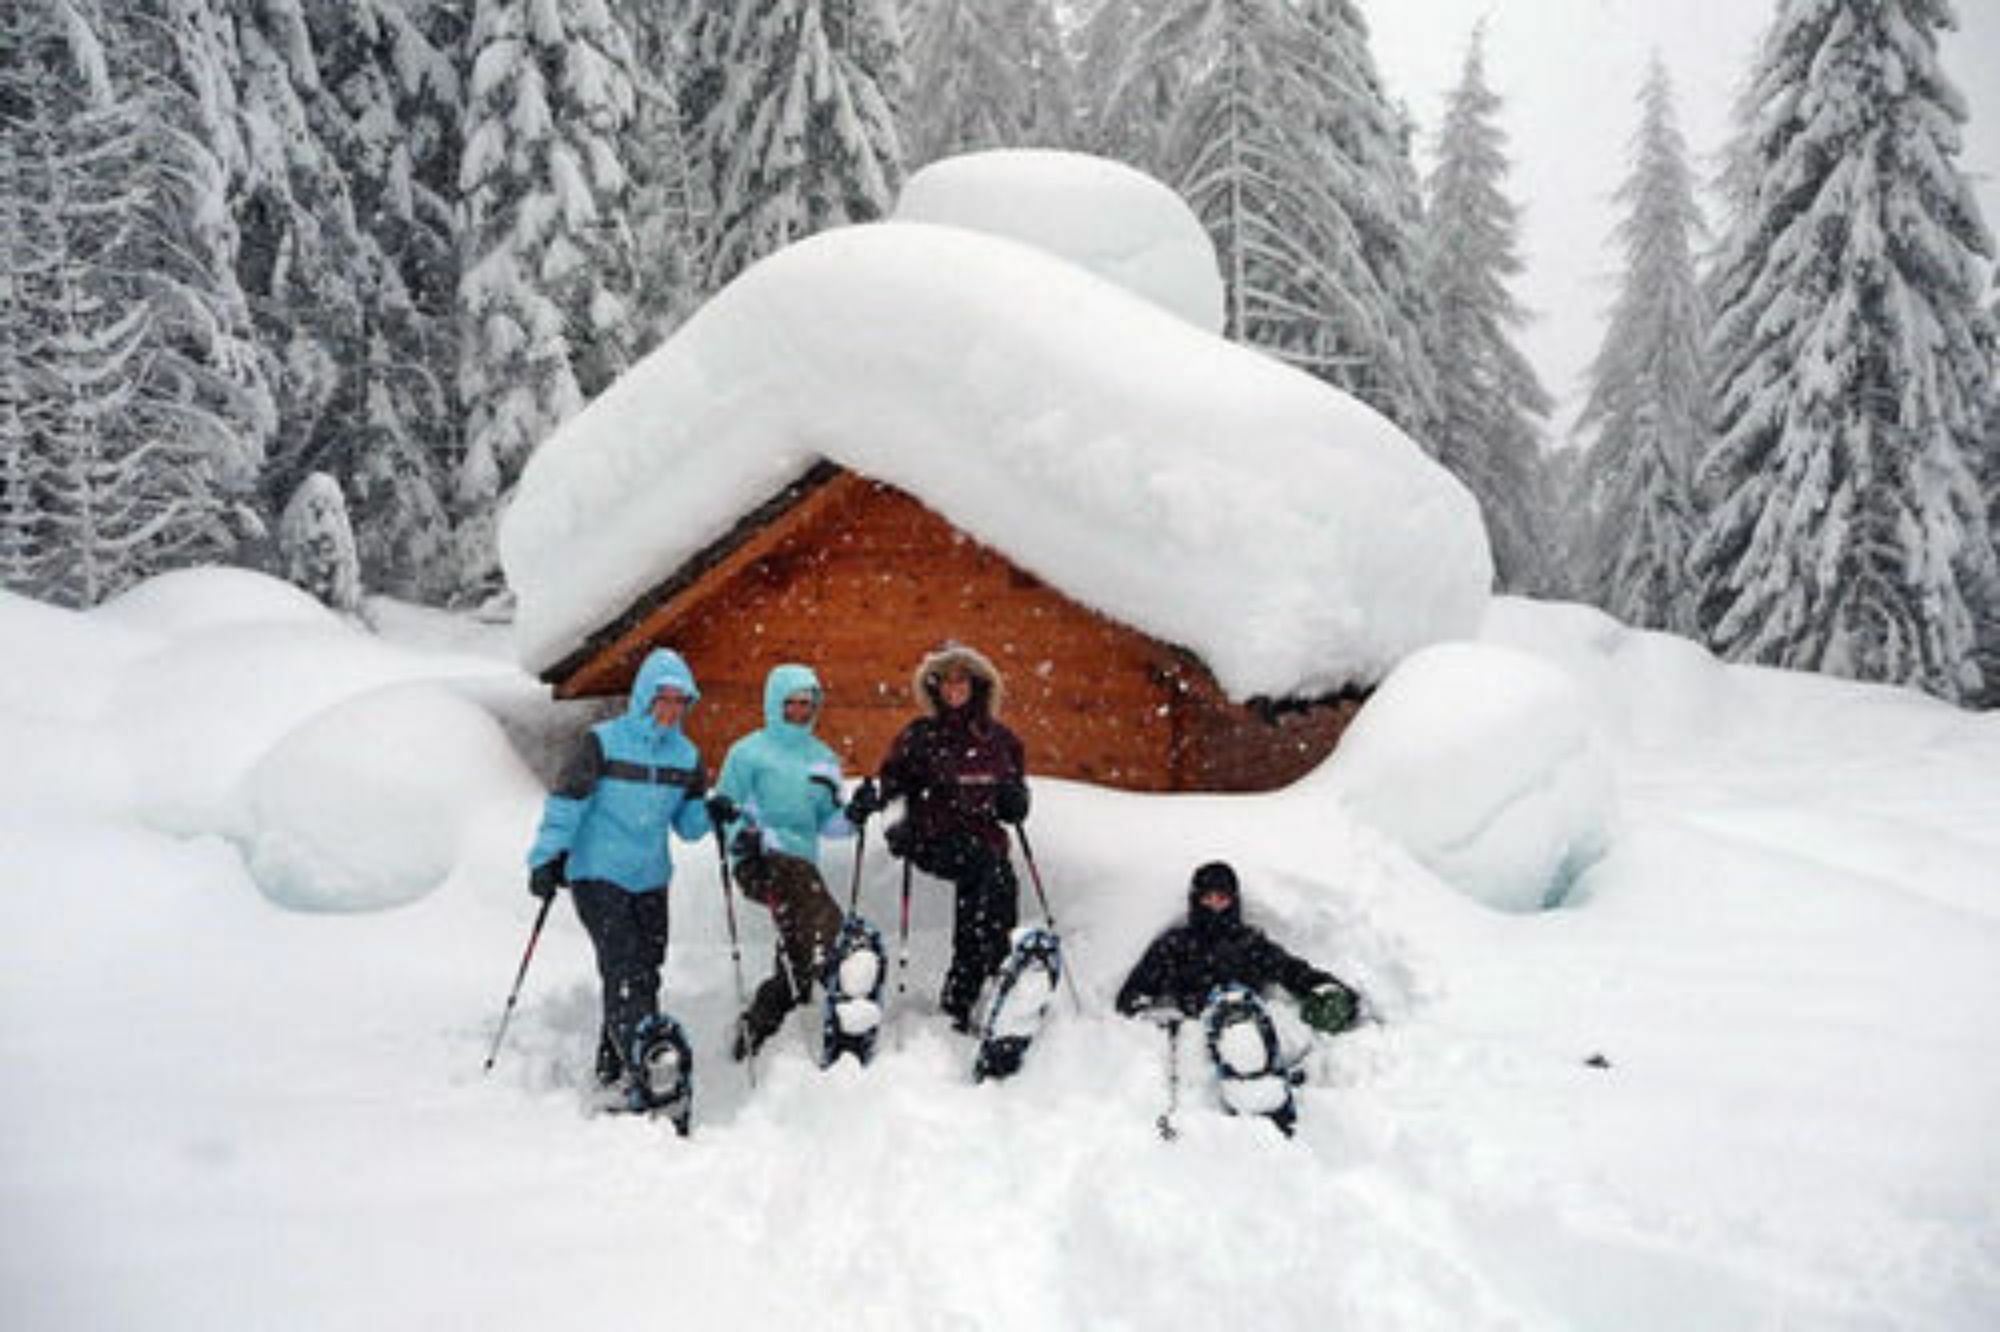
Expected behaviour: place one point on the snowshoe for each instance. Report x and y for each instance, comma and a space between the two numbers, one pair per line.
1251, 1075
660, 1076
851, 989
1020, 998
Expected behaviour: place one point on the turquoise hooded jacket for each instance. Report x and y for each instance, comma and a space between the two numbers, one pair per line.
629, 781
783, 778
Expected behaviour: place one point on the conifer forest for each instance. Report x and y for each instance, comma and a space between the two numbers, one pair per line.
299, 285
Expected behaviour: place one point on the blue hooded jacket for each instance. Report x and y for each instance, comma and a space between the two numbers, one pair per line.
783, 778
629, 781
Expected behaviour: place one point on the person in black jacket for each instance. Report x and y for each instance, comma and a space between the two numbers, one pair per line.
961, 775
1184, 965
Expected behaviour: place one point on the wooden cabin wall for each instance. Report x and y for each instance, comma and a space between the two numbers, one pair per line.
860, 581
1235, 748
878, 583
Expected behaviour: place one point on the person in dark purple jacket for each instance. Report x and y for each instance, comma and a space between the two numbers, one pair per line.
961, 775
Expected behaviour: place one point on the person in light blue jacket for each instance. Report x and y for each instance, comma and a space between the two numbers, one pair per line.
780, 793
604, 835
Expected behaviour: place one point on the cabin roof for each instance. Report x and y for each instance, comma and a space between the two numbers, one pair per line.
1189, 487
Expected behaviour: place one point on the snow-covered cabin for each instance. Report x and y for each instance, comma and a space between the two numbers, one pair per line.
1004, 417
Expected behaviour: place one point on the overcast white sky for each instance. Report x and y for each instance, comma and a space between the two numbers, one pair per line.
1569, 72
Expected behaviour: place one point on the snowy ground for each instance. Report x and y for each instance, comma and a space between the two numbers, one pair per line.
221, 1111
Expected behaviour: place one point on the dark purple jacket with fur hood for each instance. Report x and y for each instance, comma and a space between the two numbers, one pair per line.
949, 766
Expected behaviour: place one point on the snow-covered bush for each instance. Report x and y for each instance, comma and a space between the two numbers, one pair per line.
1486, 764
317, 542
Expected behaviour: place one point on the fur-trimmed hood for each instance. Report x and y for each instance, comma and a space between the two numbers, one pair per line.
988, 690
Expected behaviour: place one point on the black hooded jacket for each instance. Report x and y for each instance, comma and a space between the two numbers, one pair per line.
1182, 966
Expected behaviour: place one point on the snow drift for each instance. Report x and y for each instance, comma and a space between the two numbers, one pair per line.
1748, 1081
1484, 763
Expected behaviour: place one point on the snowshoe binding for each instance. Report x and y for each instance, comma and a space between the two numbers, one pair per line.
851, 988
1020, 999
1251, 1075
660, 1073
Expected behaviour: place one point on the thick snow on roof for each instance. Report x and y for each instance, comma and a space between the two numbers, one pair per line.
1192, 488
1116, 221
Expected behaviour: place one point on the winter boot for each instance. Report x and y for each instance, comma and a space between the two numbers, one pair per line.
610, 1068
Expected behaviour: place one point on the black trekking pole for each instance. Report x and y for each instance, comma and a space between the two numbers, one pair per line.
1165, 1123
854, 889
736, 959
1035, 873
903, 951
534, 937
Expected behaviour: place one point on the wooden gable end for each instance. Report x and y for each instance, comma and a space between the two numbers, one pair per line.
859, 580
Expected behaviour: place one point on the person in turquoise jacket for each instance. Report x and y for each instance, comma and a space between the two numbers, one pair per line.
780, 793
604, 836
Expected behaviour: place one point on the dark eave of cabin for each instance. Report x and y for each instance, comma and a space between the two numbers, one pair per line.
691, 570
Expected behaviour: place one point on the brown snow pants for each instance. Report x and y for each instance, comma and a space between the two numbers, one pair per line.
807, 920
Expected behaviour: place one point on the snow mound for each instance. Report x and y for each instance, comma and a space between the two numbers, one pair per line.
60, 663
367, 804
1642, 686
188, 601
1112, 219
1192, 488
1485, 764
204, 710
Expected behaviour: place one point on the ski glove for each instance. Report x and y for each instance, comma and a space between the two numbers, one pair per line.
1330, 1008
721, 810
548, 876
1010, 802
864, 803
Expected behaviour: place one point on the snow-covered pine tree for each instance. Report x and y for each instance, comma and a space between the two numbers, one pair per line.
668, 209
1988, 471
1845, 529
180, 58
1373, 344
1127, 105
1491, 405
1280, 138
1647, 413
302, 259
53, 67
316, 544
1564, 496
794, 120
546, 299
392, 108
986, 74
133, 413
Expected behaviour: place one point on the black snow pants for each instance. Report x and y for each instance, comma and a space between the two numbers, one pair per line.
985, 911
629, 932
